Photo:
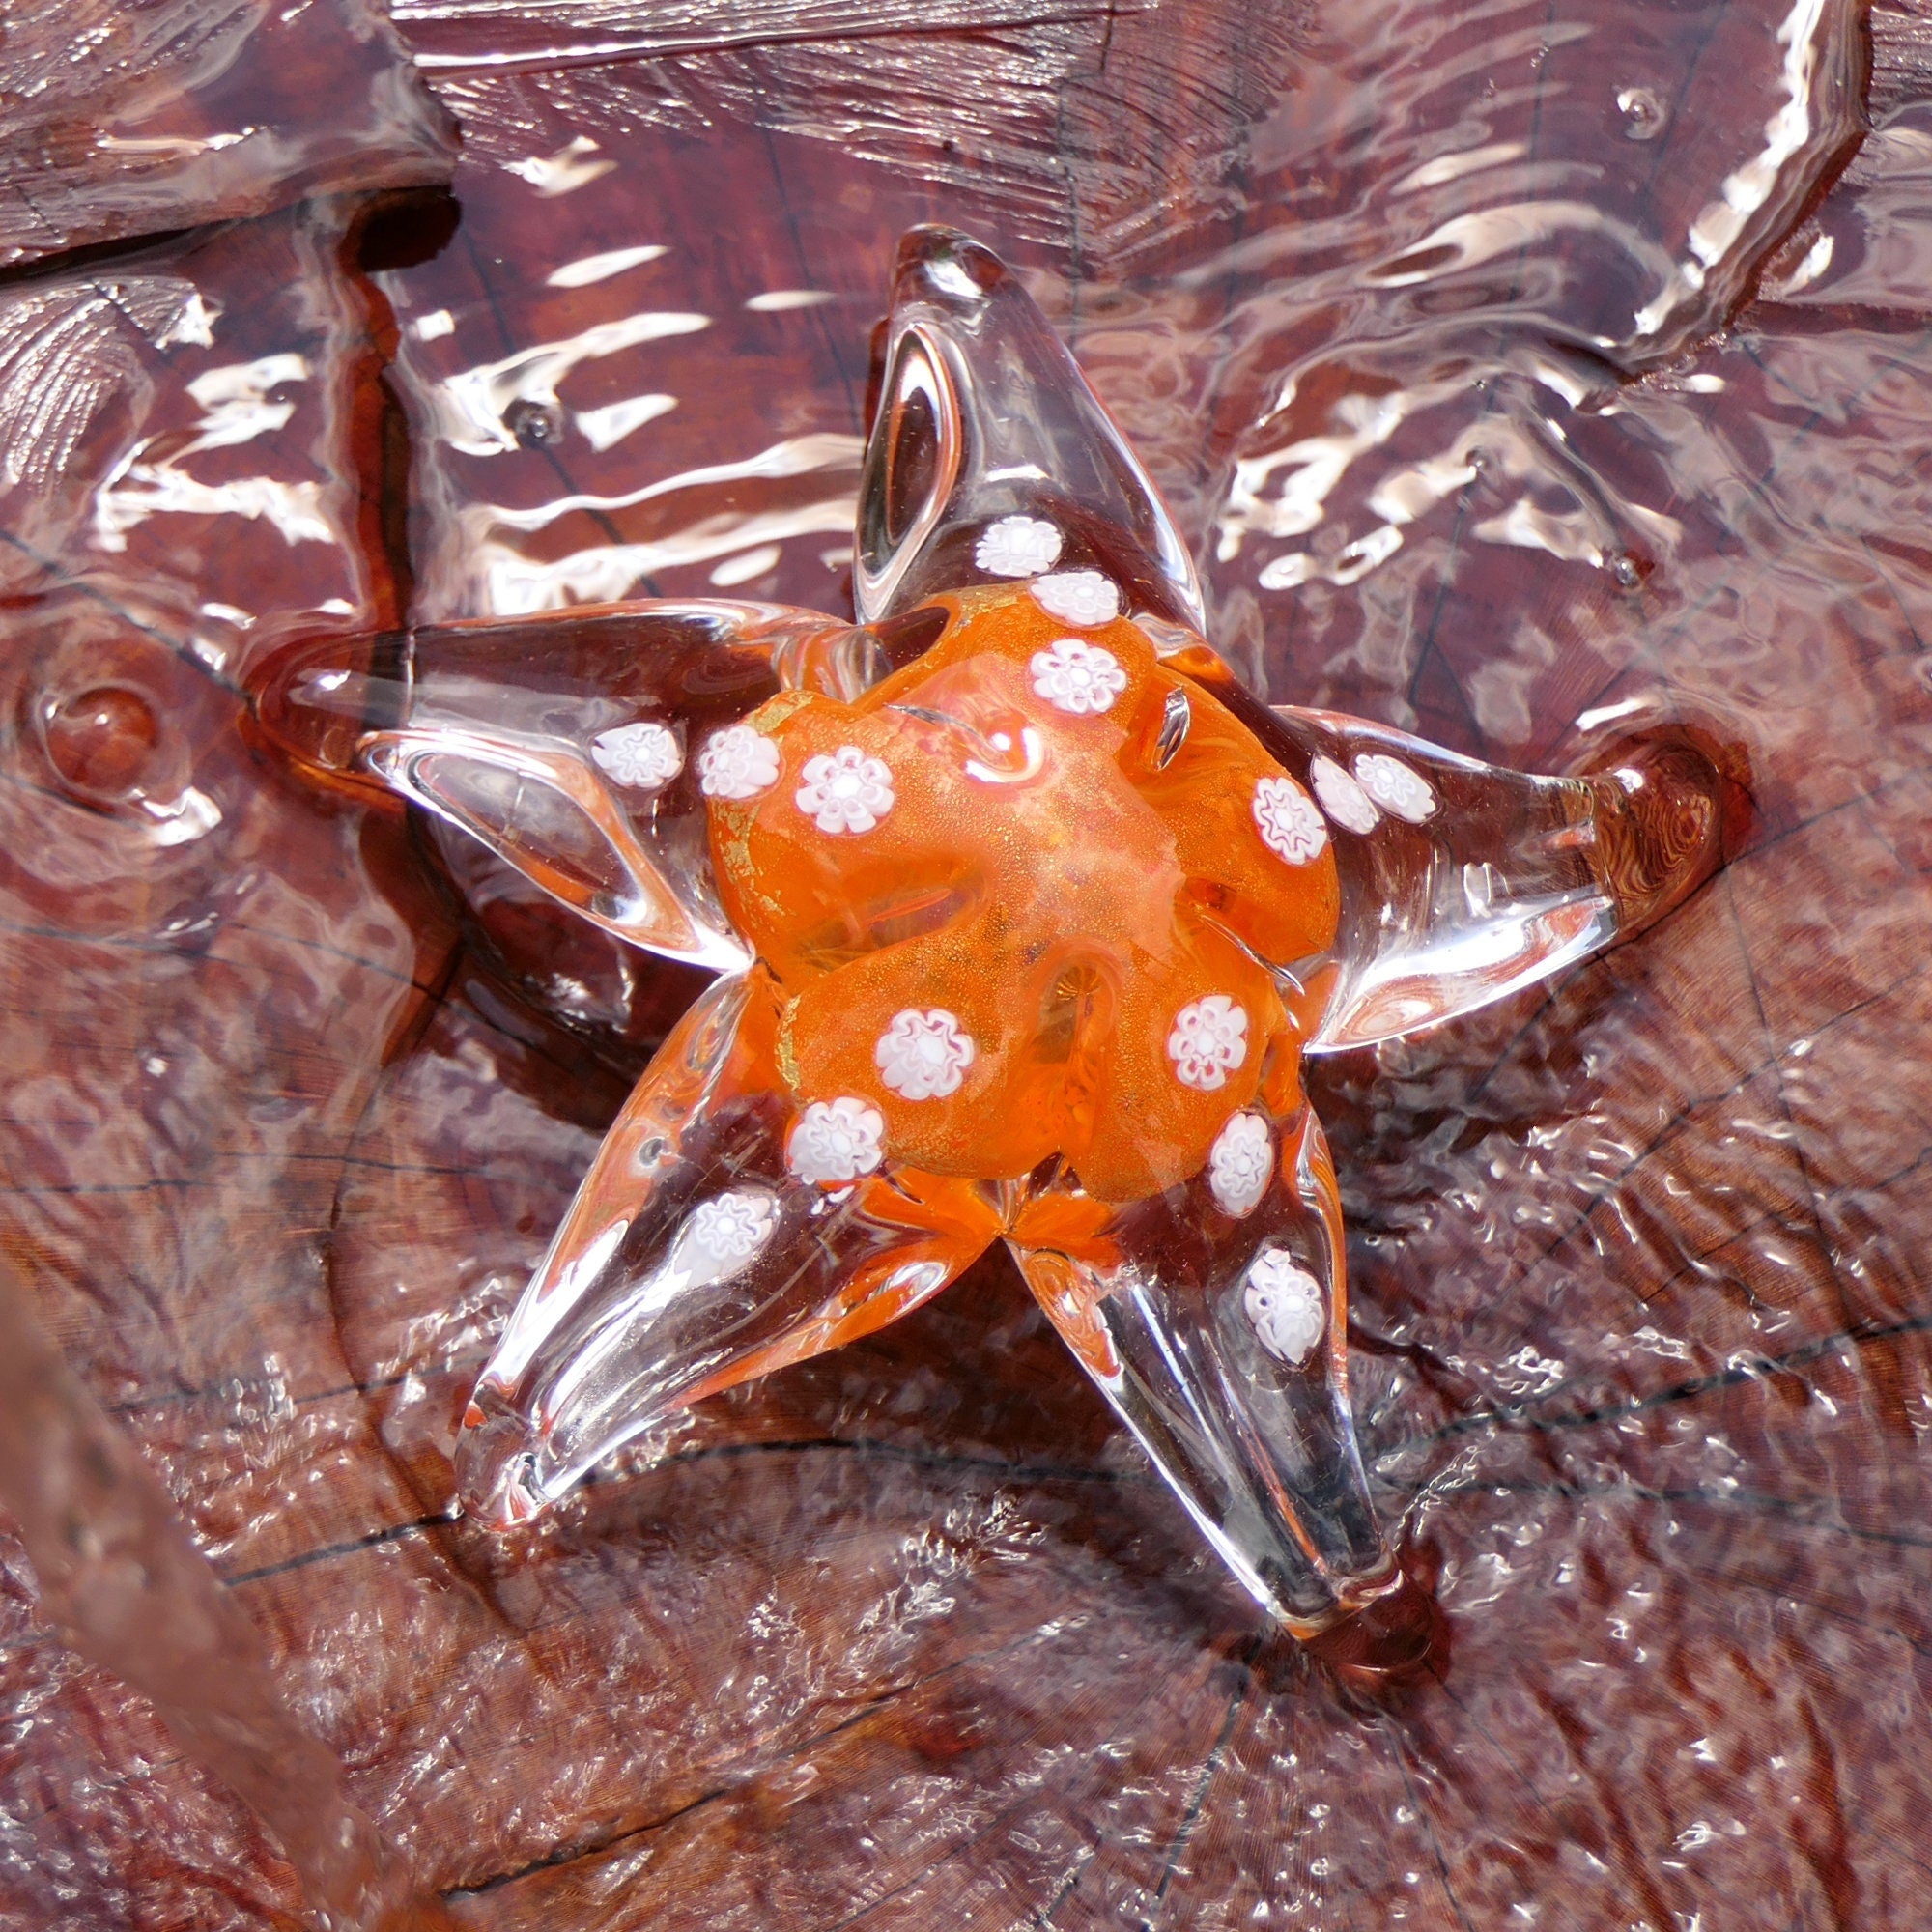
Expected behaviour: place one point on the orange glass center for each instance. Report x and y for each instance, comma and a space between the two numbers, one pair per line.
1014, 900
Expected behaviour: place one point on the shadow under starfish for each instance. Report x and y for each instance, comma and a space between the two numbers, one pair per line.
1025, 914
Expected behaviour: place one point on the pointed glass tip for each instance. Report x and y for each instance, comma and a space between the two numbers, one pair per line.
502, 1465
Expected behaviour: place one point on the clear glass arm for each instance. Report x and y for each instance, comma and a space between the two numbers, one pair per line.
566, 741
695, 1257
1219, 1336
1494, 891
983, 418
1464, 882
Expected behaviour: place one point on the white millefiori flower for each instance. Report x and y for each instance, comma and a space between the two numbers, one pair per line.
924, 1056
1208, 1041
847, 791
1398, 788
1017, 546
644, 755
1076, 678
1239, 1164
737, 762
835, 1141
1283, 1301
1288, 821
1082, 597
1341, 798
722, 1234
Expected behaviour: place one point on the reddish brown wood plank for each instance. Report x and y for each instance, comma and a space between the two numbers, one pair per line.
909, 1637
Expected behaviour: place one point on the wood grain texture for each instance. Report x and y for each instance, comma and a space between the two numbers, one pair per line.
120, 119
910, 1636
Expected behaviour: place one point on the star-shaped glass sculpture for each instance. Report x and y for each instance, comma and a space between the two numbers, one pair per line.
1025, 914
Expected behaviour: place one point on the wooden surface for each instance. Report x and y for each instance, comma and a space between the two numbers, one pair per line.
119, 121
910, 1636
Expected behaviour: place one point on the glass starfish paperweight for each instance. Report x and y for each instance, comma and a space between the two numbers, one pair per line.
1024, 914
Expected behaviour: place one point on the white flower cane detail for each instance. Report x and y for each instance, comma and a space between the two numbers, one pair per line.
725, 1233
1017, 546
1341, 798
1283, 1301
1240, 1165
737, 762
1400, 790
1289, 824
1076, 678
644, 755
847, 791
835, 1141
1082, 597
924, 1056
1208, 1041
